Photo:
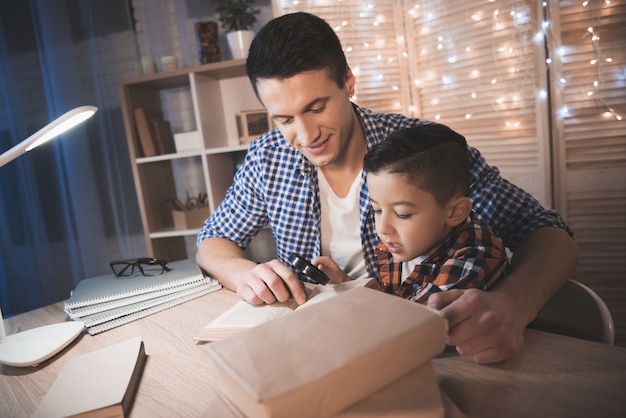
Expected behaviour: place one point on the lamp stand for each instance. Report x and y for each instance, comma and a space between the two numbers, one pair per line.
33, 346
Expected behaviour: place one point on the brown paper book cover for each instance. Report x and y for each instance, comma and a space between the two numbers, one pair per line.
414, 395
243, 315
146, 139
97, 384
318, 361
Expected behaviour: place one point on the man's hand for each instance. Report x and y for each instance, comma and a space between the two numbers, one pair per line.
268, 283
483, 325
255, 283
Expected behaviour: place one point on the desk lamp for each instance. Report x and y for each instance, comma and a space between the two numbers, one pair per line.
31, 347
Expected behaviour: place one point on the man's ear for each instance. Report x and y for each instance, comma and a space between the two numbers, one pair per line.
459, 210
349, 82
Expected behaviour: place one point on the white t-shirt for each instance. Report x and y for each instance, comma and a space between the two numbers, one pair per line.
408, 266
341, 228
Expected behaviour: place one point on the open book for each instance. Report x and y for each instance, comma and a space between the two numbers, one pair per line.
243, 315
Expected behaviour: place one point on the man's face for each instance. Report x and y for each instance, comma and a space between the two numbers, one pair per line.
313, 113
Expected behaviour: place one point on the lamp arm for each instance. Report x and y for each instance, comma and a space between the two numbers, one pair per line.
14, 152
55, 128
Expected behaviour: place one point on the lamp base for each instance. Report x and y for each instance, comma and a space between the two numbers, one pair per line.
31, 347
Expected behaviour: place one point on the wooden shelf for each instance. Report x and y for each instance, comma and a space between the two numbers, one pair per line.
218, 92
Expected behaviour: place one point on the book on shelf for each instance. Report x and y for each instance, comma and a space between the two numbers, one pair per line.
320, 360
242, 315
108, 301
146, 139
163, 136
101, 383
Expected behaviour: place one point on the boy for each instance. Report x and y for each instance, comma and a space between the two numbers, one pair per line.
429, 237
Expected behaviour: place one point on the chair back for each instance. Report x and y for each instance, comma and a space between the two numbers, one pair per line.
576, 311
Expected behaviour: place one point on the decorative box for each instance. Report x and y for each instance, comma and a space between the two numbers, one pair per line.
253, 123
188, 141
190, 219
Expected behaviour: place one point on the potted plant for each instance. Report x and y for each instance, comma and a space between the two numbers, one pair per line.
237, 17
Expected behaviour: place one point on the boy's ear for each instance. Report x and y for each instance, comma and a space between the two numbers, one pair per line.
460, 208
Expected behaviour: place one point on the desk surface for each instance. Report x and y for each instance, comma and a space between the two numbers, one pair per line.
554, 376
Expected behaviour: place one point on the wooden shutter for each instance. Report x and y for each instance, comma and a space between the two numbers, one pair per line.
476, 66
471, 65
589, 90
374, 45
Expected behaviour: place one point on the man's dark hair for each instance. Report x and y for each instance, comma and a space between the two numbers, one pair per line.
432, 156
293, 43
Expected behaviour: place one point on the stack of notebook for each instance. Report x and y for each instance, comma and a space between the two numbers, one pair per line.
108, 301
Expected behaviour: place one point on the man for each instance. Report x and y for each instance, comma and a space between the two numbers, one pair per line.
306, 180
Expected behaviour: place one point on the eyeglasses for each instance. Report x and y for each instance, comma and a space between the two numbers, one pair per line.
146, 266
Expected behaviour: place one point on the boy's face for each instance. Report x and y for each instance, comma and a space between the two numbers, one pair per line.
313, 114
408, 220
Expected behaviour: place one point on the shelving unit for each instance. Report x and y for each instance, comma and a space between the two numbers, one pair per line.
218, 92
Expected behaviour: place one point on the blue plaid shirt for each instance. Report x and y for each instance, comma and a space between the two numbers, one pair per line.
276, 184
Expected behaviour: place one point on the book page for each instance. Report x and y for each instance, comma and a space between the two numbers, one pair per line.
317, 293
243, 315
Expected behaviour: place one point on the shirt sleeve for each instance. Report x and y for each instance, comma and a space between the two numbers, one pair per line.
511, 212
242, 213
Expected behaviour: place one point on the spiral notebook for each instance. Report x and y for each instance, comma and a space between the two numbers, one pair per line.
148, 309
101, 289
108, 301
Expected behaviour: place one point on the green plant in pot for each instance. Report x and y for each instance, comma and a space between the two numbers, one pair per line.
237, 17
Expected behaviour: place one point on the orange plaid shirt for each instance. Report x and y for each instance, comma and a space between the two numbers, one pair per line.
472, 256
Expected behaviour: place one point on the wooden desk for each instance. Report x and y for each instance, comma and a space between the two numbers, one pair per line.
554, 376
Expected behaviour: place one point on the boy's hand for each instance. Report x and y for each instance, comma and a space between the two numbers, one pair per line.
332, 270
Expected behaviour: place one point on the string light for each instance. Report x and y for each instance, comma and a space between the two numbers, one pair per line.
595, 91
450, 50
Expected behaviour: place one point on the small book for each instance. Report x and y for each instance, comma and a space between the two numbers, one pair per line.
243, 315
97, 384
163, 136
320, 360
146, 139
106, 288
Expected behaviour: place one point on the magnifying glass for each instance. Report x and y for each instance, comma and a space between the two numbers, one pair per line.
308, 269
